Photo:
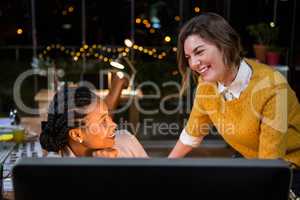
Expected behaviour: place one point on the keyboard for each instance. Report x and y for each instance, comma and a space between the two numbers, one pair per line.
5, 149
22, 150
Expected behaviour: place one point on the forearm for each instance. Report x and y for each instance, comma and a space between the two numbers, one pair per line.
180, 150
113, 97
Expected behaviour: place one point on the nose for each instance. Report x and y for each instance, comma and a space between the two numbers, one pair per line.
112, 126
194, 62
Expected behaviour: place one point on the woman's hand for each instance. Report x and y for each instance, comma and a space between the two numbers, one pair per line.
180, 150
118, 78
106, 153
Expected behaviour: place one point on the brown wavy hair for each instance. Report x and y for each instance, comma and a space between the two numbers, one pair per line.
214, 29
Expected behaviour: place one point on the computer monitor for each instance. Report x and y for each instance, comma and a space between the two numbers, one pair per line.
88, 178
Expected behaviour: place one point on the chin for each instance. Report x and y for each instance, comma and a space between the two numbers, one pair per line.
209, 79
109, 143
105, 144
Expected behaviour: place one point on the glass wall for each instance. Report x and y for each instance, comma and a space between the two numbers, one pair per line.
153, 24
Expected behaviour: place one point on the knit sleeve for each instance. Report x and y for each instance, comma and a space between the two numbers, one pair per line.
274, 122
199, 122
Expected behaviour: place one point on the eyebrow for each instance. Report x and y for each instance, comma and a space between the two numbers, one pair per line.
101, 117
195, 49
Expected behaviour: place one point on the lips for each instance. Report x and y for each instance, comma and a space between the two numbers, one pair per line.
112, 135
203, 69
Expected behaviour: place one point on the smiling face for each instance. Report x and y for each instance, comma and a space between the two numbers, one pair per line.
99, 129
205, 59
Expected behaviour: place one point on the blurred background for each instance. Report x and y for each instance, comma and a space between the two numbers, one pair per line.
79, 38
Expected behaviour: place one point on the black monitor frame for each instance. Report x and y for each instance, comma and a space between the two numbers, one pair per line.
48, 178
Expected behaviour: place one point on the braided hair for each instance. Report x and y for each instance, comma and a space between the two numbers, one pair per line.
66, 111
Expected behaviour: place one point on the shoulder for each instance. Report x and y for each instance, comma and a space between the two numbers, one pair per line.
266, 74
125, 136
125, 139
266, 82
128, 145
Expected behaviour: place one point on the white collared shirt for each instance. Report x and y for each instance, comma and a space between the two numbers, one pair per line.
233, 91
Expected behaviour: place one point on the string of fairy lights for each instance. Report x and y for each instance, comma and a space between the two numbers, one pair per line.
104, 53
107, 53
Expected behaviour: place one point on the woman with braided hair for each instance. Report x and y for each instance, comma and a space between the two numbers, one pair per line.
79, 124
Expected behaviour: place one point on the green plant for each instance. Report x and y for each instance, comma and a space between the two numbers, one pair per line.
263, 33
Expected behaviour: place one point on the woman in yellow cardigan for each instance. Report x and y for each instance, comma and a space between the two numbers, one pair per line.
251, 105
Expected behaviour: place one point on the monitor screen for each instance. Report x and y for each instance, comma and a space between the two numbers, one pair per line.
88, 178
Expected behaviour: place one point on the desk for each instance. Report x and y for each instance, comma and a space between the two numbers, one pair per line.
128, 97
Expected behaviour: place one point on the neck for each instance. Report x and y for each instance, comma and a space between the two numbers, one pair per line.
79, 149
229, 76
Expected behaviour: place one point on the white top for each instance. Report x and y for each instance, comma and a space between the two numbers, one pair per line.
128, 146
233, 91
125, 143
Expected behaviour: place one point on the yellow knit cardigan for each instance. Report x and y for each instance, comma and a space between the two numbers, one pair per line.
263, 123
